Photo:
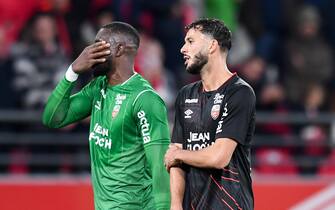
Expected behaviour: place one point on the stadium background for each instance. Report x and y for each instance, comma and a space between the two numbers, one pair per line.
283, 48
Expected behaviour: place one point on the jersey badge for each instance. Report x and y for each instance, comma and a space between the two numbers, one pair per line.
116, 110
215, 112
118, 102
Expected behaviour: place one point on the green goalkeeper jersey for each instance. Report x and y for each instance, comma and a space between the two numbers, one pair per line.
128, 137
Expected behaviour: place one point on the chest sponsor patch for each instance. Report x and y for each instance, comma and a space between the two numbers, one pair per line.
215, 112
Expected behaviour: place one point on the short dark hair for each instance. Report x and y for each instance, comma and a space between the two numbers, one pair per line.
126, 30
215, 28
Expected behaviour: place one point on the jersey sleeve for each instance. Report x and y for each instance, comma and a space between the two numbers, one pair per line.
236, 115
177, 132
151, 119
63, 109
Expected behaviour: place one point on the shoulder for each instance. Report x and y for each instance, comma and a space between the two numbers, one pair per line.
95, 85
147, 96
98, 81
240, 90
192, 87
242, 87
190, 91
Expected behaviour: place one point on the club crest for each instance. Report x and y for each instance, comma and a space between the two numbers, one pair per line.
116, 110
215, 112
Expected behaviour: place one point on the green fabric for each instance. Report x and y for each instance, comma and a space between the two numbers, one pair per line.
225, 10
128, 138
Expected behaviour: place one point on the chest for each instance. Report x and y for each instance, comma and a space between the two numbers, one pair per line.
202, 111
111, 120
199, 116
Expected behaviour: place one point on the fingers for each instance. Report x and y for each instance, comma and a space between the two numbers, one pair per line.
101, 54
98, 47
167, 165
98, 60
97, 52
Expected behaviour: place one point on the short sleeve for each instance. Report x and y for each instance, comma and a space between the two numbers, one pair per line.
236, 116
177, 132
151, 118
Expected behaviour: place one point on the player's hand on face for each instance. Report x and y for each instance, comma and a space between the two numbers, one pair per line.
170, 157
93, 54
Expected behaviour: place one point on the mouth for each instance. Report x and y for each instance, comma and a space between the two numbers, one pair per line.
186, 58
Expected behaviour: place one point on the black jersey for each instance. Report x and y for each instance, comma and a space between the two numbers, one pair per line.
201, 119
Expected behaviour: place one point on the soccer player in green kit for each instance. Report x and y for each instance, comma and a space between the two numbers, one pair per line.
129, 131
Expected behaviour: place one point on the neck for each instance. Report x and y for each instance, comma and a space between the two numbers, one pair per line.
215, 73
121, 74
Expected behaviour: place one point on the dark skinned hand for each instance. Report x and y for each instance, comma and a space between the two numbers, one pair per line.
93, 54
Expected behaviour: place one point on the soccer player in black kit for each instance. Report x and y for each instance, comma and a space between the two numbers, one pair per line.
209, 158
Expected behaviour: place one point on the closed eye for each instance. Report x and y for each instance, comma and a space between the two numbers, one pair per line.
189, 40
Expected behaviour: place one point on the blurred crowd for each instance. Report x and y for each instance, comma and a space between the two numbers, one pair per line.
283, 48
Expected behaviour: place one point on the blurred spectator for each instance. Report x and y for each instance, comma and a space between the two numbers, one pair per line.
6, 76
275, 162
59, 9
242, 47
39, 62
327, 11
308, 57
168, 27
150, 64
313, 136
126, 10
89, 28
13, 17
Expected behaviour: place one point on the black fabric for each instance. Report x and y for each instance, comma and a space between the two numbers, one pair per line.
201, 119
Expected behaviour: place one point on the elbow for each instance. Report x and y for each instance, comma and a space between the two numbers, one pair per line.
220, 163
47, 122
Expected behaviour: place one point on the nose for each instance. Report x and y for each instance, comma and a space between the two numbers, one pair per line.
182, 49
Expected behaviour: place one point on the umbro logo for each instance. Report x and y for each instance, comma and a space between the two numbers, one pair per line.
188, 113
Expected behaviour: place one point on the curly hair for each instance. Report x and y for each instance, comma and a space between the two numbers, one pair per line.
215, 28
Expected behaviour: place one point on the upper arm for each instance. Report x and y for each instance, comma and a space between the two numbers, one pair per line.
63, 109
224, 149
238, 111
80, 104
177, 132
151, 118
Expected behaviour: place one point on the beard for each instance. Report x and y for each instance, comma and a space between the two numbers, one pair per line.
199, 61
102, 69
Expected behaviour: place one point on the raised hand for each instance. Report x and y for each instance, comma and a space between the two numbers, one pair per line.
93, 54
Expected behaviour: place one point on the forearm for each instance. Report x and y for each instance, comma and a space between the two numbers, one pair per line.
160, 177
217, 155
205, 158
57, 107
177, 186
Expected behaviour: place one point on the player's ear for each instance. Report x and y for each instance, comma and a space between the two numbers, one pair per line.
214, 45
120, 50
